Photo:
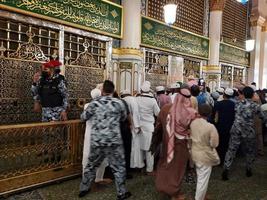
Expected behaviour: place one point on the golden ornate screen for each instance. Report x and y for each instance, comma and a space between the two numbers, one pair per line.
23, 49
84, 70
238, 75
156, 67
191, 68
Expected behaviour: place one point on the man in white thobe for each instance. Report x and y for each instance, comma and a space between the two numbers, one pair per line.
137, 160
148, 108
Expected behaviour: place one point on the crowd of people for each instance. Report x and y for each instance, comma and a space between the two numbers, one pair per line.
162, 133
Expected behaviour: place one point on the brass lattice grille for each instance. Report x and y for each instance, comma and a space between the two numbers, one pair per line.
156, 67
156, 63
16, 102
238, 74
191, 68
23, 49
226, 72
73, 46
32, 154
190, 13
13, 34
234, 23
85, 72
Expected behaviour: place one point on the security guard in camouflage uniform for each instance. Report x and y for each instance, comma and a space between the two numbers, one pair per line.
105, 114
243, 131
50, 91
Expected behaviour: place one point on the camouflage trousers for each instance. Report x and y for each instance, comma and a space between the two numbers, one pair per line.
250, 149
51, 114
116, 160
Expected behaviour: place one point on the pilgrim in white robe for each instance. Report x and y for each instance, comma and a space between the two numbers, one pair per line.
137, 160
148, 108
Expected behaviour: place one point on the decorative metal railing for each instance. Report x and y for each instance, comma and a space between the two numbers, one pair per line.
39, 153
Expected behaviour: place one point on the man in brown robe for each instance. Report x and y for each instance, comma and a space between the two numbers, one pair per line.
172, 132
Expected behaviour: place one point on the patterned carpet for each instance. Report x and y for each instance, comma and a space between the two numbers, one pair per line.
239, 187
32, 195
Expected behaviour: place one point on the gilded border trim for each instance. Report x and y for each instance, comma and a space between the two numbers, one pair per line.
112, 3
175, 52
171, 51
175, 27
29, 13
234, 63
231, 62
211, 68
233, 46
127, 51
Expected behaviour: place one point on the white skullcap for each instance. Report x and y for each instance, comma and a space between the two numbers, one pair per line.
264, 107
146, 86
160, 88
148, 83
215, 95
229, 92
99, 86
175, 86
124, 92
220, 90
253, 87
95, 93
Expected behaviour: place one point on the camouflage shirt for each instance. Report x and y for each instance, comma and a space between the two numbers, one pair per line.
105, 114
244, 117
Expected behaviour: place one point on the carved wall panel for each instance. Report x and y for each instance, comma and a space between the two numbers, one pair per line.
190, 13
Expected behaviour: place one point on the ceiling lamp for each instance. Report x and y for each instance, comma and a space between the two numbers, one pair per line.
250, 43
242, 1
170, 13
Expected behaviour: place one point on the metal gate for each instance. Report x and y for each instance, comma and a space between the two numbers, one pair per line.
32, 153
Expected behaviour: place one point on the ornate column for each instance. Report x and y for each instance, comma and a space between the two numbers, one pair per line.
129, 58
212, 71
206, 18
263, 57
255, 70
215, 30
